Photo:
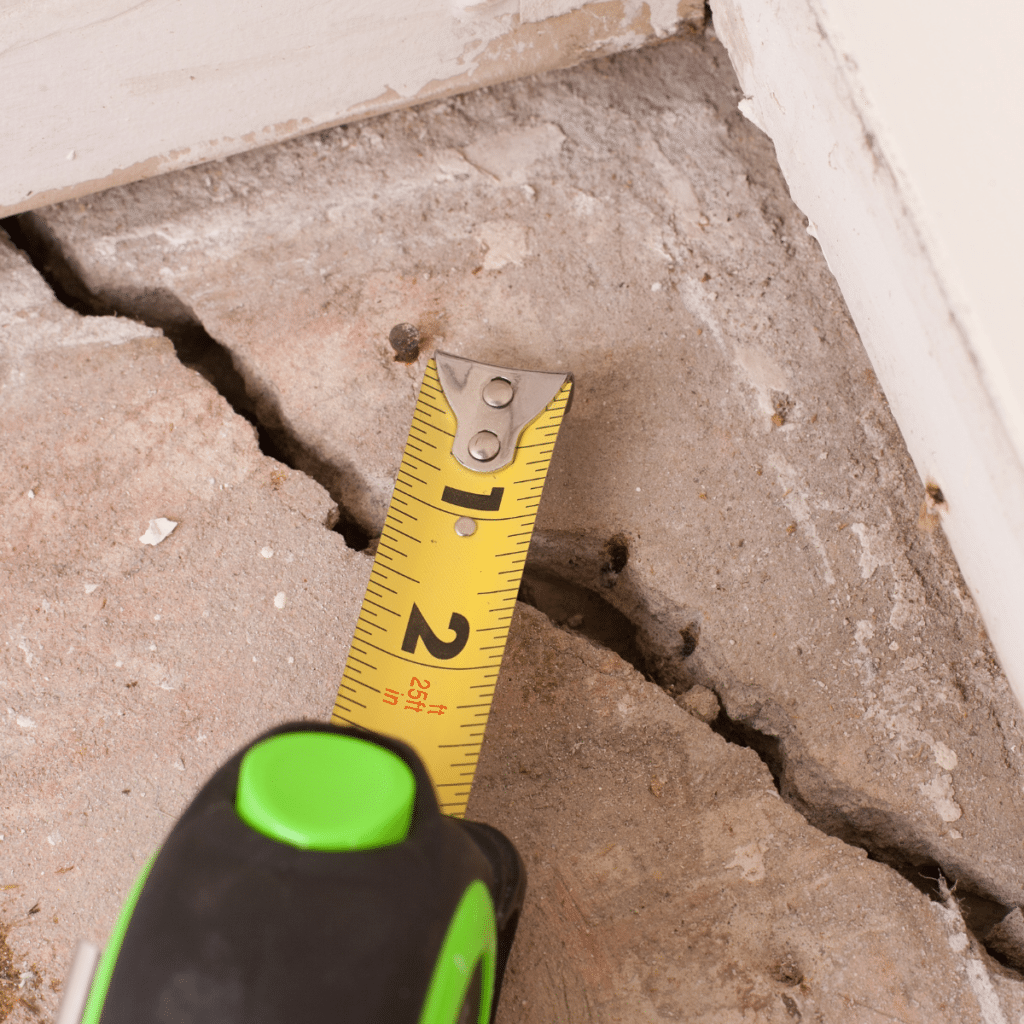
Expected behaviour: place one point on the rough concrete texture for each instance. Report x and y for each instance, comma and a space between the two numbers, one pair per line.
129, 671
668, 879
729, 481
623, 221
670, 882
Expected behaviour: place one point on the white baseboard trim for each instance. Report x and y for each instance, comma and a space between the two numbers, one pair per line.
105, 93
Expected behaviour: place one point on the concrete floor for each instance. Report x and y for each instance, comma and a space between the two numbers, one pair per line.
747, 591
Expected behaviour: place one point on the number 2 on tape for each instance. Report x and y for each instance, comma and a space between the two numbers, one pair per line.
431, 633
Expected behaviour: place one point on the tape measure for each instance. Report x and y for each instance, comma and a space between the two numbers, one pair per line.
431, 633
314, 879
325, 847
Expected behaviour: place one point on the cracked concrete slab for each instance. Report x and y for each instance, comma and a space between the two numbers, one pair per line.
670, 882
171, 592
129, 669
624, 221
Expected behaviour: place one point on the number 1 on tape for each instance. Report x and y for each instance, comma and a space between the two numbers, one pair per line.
431, 633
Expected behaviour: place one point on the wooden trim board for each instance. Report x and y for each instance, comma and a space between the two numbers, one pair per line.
99, 93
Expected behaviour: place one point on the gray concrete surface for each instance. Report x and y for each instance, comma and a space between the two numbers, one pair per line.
730, 506
130, 670
671, 883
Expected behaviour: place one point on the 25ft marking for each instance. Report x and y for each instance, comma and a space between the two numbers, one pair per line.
416, 697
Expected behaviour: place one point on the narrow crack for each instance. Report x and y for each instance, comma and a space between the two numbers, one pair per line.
196, 349
556, 581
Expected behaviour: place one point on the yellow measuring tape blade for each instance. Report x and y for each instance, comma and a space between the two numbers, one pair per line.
431, 633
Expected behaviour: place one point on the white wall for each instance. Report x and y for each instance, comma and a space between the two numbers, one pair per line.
897, 126
941, 85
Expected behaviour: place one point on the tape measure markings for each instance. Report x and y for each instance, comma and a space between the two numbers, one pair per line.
397, 573
490, 519
361, 683
446, 569
382, 607
404, 534
423, 664
419, 458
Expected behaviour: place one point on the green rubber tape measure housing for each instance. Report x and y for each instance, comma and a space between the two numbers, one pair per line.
316, 854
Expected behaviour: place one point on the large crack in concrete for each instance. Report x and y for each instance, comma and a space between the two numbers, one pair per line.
583, 585
774, 575
236, 382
